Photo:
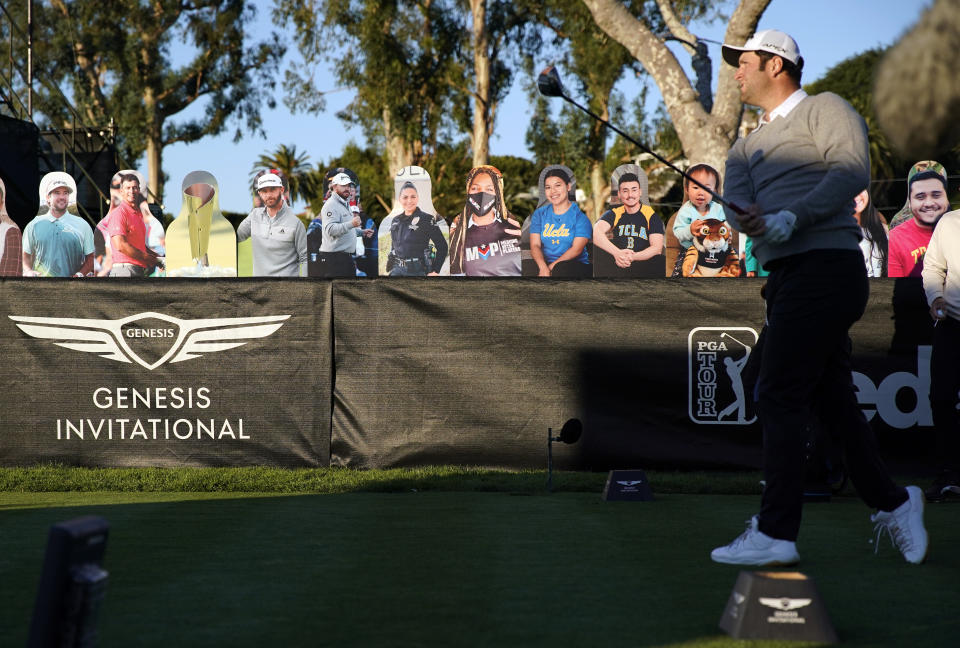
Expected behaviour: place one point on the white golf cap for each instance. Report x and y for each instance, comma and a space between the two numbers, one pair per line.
269, 180
768, 40
55, 180
56, 184
341, 179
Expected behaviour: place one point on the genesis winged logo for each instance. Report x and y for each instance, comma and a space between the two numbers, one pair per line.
161, 338
785, 603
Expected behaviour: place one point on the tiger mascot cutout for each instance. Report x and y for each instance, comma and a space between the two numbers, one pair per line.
711, 254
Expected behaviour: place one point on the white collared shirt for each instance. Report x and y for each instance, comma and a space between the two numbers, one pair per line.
784, 108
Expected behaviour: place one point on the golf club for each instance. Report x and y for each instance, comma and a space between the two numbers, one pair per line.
550, 85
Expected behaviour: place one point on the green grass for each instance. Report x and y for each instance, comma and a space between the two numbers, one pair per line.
54, 477
440, 567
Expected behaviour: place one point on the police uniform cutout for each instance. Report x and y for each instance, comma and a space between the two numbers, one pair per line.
416, 244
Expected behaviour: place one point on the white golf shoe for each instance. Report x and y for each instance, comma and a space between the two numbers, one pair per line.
905, 527
753, 547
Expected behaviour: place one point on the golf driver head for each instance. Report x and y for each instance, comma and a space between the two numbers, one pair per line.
549, 83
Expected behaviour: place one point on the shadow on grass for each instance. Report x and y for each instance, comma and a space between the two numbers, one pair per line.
453, 568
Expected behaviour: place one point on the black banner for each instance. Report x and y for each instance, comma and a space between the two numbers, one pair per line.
165, 373
425, 371
476, 371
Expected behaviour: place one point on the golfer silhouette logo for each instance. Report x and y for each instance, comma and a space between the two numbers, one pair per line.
717, 357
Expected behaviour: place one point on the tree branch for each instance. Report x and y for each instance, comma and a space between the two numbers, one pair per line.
743, 24
676, 27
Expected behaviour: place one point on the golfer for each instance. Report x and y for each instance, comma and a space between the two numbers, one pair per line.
796, 176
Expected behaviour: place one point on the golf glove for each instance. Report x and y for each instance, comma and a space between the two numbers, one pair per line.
780, 226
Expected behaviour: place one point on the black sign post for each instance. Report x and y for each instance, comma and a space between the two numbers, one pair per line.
72, 585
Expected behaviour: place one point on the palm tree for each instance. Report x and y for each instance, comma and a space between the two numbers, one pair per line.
294, 166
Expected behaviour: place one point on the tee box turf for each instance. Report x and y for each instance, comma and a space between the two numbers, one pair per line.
776, 605
627, 486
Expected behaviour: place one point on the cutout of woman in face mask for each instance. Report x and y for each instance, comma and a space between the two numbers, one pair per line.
485, 239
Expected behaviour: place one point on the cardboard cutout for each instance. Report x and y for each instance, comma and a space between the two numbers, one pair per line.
11, 250
201, 242
629, 232
155, 235
414, 244
556, 232
543, 176
485, 238
318, 263
57, 246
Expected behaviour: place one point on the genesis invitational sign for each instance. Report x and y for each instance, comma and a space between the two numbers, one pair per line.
182, 373
152, 334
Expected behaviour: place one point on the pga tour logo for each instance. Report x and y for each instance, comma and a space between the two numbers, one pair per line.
149, 339
717, 357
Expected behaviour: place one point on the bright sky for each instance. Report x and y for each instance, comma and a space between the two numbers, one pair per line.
827, 31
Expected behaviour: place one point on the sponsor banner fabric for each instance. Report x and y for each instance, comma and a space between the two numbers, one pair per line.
165, 373
474, 372
465, 371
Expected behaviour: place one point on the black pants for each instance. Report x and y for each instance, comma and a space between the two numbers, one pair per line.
944, 384
336, 264
812, 301
572, 268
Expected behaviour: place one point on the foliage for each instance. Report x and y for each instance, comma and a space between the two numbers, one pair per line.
852, 79
400, 58
114, 57
293, 165
60, 478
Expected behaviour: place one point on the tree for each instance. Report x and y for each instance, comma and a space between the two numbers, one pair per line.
853, 79
705, 134
294, 166
596, 63
401, 59
498, 29
114, 55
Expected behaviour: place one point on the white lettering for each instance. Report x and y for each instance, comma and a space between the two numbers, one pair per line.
189, 429
108, 402
226, 430
95, 431
138, 430
883, 398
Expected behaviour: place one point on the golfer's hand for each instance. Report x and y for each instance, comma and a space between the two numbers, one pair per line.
752, 223
780, 226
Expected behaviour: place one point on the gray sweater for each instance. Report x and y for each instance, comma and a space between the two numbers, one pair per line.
811, 162
279, 243
339, 233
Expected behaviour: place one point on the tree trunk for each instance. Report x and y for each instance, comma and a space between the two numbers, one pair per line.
399, 153
599, 189
482, 114
154, 137
705, 137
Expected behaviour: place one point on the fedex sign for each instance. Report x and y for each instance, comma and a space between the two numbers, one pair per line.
882, 399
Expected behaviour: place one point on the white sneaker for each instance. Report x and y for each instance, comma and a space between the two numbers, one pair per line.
754, 547
905, 527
